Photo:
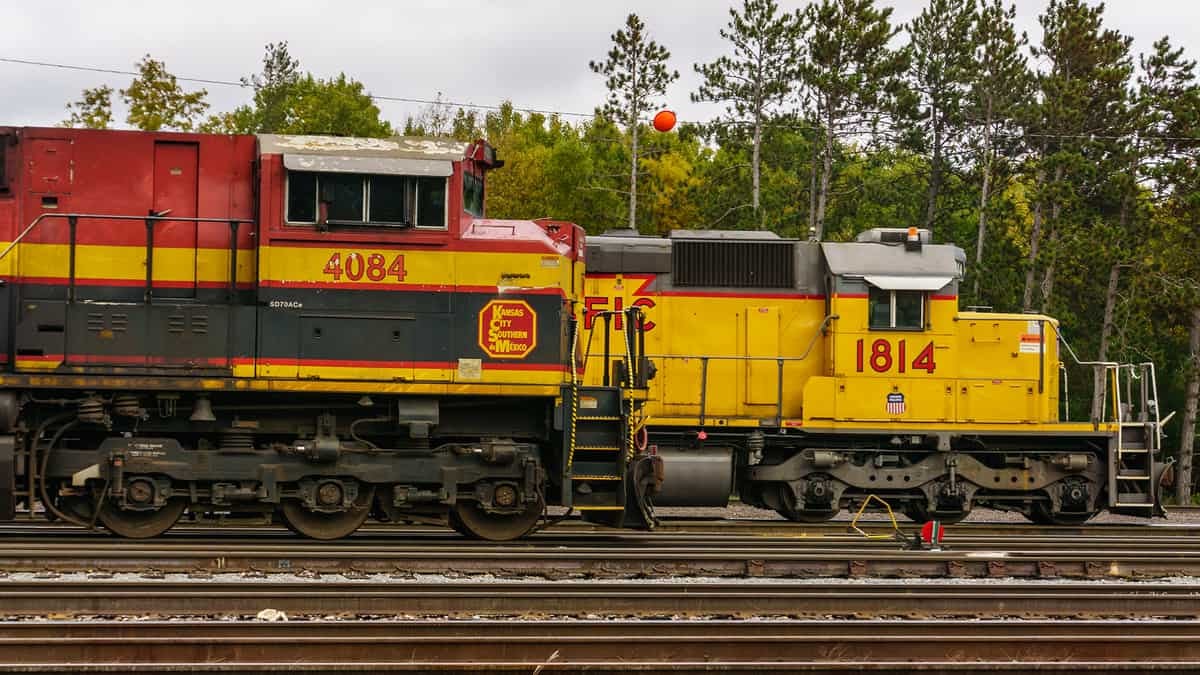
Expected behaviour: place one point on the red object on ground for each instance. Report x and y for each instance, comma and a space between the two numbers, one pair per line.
931, 532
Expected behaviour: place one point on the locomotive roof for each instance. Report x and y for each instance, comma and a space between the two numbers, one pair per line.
874, 259
396, 147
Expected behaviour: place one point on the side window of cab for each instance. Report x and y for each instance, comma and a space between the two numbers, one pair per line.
347, 199
896, 310
473, 194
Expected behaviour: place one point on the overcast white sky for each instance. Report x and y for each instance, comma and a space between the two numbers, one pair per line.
534, 52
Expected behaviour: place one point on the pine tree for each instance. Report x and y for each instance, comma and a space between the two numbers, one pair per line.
273, 88
636, 75
1000, 87
940, 73
851, 75
757, 78
1171, 95
156, 101
1082, 99
93, 110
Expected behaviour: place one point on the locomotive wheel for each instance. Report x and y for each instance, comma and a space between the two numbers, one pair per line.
141, 524
317, 525
1041, 514
469, 519
788, 509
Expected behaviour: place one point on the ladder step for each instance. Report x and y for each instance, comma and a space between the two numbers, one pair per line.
1133, 451
1126, 476
596, 477
599, 508
598, 418
603, 448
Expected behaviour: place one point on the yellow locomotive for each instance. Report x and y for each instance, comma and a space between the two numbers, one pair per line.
809, 375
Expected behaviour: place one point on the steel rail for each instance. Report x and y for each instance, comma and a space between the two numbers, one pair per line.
676, 525
219, 598
549, 646
555, 560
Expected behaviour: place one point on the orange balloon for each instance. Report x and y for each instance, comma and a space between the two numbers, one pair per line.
664, 121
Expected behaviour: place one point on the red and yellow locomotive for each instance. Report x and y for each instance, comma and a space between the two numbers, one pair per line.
320, 327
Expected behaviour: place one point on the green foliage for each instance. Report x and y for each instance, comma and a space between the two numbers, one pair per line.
93, 110
156, 101
940, 73
274, 91
756, 80
636, 75
289, 102
852, 77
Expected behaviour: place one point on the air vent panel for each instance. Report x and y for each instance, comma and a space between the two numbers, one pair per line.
733, 264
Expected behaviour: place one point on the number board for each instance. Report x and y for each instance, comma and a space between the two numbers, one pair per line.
887, 356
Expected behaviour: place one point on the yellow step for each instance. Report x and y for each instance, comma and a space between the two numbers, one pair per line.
595, 478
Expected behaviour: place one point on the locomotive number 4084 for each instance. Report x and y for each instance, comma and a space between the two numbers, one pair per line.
355, 266
883, 357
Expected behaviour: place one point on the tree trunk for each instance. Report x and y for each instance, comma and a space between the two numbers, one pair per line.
1048, 276
1187, 437
935, 175
1055, 230
633, 176
754, 164
812, 185
1035, 240
1110, 306
983, 200
826, 171
1110, 295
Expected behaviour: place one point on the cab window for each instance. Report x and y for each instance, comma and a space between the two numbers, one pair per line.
896, 310
473, 194
372, 201
3, 163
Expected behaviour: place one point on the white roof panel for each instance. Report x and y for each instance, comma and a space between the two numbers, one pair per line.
891, 283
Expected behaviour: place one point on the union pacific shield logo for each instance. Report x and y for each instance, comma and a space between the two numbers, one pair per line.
507, 329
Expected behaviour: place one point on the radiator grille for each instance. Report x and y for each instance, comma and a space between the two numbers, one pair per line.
734, 264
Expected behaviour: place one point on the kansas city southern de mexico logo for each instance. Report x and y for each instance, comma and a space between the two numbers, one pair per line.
507, 329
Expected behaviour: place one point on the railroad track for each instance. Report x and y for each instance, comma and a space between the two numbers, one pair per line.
608, 646
620, 558
242, 599
686, 547
673, 525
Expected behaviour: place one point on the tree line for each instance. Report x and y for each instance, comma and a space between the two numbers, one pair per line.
1065, 166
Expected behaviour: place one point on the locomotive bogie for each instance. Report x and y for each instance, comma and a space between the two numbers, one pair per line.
401, 458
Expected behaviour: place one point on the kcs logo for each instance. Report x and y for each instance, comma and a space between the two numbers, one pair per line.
594, 304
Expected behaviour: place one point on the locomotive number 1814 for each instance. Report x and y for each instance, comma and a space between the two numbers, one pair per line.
882, 356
